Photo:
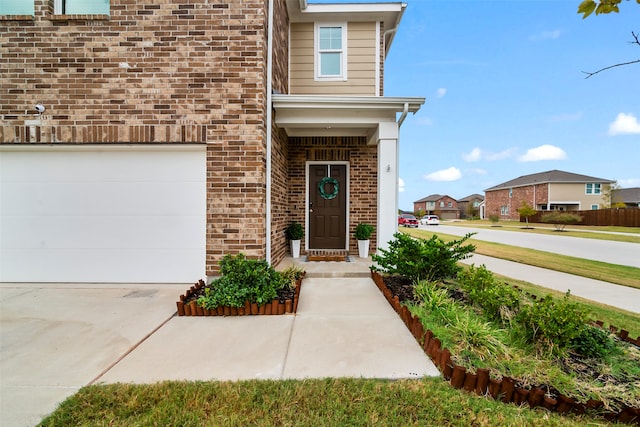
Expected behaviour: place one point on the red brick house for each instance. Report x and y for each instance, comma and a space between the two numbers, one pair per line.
445, 207
176, 132
546, 191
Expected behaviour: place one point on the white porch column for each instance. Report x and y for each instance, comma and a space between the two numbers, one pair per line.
387, 140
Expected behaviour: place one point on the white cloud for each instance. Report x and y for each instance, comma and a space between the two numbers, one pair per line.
545, 35
543, 152
473, 156
400, 185
624, 124
451, 174
478, 154
442, 91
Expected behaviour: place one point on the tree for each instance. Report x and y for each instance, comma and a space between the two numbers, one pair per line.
526, 211
607, 193
587, 7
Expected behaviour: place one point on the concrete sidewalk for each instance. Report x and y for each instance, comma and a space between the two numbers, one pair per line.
55, 339
343, 328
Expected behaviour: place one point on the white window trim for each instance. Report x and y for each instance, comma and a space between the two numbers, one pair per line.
316, 50
593, 188
57, 8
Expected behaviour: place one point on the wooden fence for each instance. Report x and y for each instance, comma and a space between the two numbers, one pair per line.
628, 217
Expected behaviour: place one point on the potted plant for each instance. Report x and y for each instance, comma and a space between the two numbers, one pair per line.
362, 234
294, 233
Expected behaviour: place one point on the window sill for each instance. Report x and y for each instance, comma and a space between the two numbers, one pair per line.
84, 17
17, 17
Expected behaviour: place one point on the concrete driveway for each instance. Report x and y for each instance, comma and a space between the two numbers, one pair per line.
55, 339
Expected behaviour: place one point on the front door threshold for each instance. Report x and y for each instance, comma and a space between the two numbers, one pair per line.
339, 255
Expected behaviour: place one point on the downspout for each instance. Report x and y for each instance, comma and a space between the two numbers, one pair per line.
269, 133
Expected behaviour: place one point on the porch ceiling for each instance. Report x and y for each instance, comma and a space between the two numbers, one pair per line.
338, 116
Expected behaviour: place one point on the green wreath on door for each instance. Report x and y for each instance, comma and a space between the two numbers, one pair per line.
322, 184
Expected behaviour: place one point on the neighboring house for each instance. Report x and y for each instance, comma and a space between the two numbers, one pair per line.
546, 191
629, 196
470, 206
445, 207
177, 132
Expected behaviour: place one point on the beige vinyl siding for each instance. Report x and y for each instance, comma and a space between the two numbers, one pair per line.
361, 62
576, 193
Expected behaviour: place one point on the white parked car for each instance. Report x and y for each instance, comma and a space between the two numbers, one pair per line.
430, 220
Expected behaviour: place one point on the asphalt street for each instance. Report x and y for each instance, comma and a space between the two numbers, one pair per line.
620, 253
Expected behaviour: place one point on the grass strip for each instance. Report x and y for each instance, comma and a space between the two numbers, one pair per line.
323, 402
596, 233
612, 273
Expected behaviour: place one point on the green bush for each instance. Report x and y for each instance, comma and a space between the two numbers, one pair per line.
242, 279
363, 231
593, 342
294, 231
552, 324
560, 219
420, 259
499, 301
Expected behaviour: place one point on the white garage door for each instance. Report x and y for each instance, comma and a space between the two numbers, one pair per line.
111, 214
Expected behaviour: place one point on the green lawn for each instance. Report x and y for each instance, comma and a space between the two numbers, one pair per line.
328, 402
587, 232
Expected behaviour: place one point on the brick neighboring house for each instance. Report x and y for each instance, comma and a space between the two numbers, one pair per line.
470, 206
629, 196
545, 191
445, 207
177, 132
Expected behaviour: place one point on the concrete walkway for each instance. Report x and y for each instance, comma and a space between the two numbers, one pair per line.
55, 339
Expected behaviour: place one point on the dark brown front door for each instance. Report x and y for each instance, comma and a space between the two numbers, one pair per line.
328, 211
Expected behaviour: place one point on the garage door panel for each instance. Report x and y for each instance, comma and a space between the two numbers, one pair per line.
119, 198
129, 215
88, 233
117, 265
104, 166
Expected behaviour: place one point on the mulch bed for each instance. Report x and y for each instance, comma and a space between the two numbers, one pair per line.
398, 290
285, 303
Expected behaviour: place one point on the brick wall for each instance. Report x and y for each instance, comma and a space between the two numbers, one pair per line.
167, 71
362, 160
531, 194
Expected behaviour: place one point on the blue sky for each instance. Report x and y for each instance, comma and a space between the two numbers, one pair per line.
506, 95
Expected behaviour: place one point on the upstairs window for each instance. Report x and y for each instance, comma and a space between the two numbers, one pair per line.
81, 7
331, 52
593, 188
16, 7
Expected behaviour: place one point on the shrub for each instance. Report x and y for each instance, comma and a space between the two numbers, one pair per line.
560, 219
593, 342
420, 259
363, 231
550, 324
494, 218
499, 301
242, 279
290, 276
294, 231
